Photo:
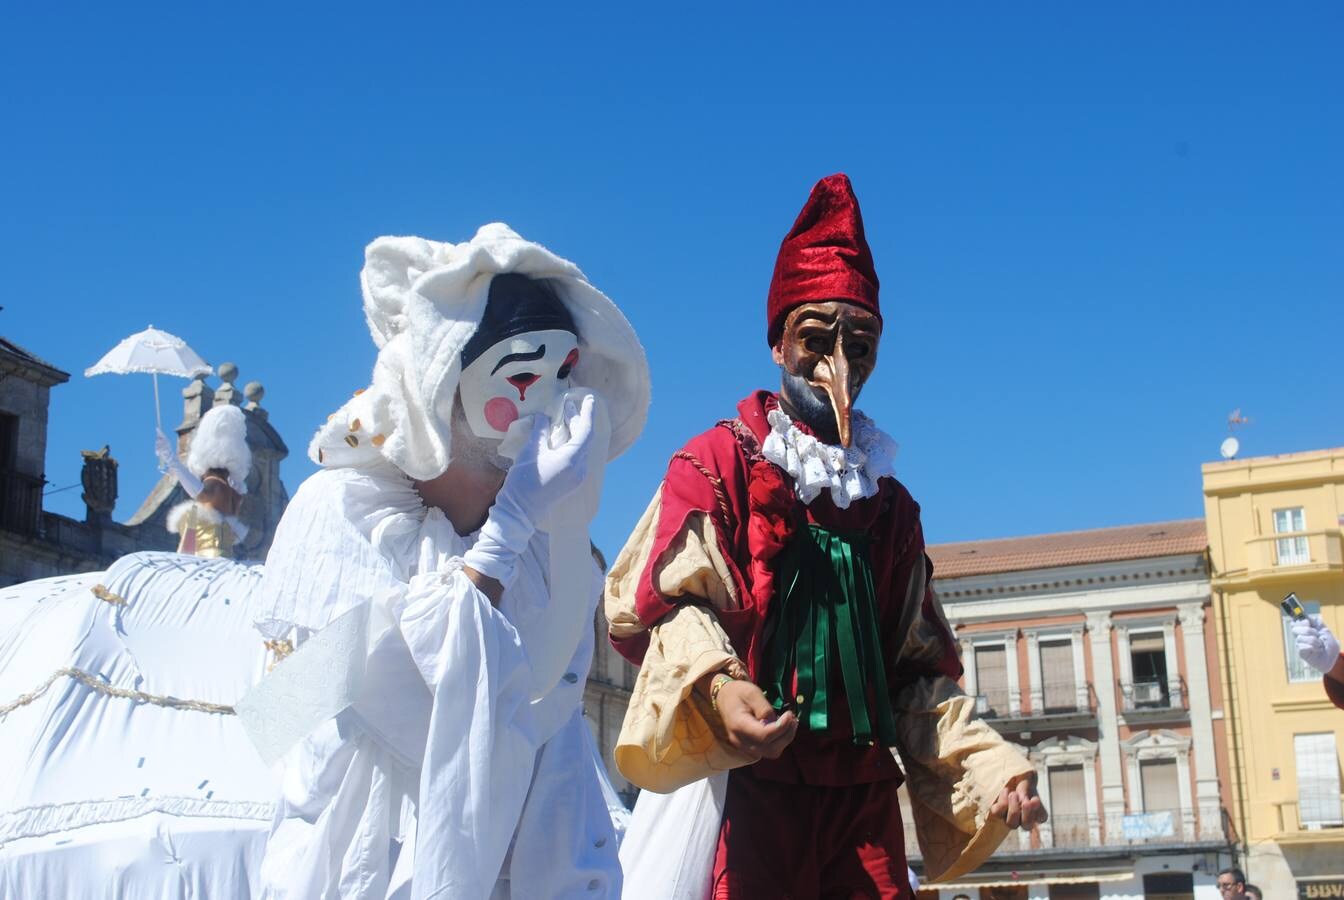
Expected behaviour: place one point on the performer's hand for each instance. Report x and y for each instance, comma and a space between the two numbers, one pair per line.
1019, 805
162, 448
1315, 644
752, 724
542, 476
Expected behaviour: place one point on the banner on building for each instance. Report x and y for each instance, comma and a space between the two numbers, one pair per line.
1144, 826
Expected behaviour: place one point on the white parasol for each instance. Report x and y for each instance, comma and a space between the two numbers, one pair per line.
153, 352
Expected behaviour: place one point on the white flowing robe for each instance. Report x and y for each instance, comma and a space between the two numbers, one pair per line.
473, 789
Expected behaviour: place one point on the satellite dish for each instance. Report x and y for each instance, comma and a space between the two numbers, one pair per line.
1229, 448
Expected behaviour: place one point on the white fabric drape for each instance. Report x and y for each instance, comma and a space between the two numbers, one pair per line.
503, 799
110, 796
669, 854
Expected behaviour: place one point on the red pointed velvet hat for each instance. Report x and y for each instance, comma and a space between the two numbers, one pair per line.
824, 256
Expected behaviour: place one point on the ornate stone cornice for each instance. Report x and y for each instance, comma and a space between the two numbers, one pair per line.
1065, 751
1191, 616
1161, 743
1099, 622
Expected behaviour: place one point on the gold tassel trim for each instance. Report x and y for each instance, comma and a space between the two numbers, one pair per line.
102, 687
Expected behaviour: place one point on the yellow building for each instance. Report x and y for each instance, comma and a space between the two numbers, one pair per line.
1274, 526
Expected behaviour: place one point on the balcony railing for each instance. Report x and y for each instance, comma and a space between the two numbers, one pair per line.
1075, 833
1055, 699
1062, 697
20, 502
1151, 694
1324, 813
1070, 831
1294, 550
997, 703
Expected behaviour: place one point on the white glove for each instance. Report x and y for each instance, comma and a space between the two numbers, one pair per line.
540, 477
162, 448
169, 462
1315, 644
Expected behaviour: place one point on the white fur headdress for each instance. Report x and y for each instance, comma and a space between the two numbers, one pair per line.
423, 301
220, 442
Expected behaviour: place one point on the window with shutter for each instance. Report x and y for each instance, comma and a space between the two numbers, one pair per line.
991, 678
1057, 676
1068, 806
1317, 780
1291, 551
1160, 791
1298, 671
9, 441
1148, 662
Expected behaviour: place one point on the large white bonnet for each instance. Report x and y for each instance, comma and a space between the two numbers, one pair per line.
423, 301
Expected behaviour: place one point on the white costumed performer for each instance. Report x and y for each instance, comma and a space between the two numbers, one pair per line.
442, 596
215, 477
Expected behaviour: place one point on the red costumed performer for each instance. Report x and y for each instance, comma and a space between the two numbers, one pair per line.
778, 599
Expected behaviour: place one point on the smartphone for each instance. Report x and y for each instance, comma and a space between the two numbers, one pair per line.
1292, 607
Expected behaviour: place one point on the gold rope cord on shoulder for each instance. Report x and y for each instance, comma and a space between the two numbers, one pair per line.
714, 481
92, 682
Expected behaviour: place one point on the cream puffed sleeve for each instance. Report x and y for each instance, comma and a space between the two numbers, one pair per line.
956, 764
671, 737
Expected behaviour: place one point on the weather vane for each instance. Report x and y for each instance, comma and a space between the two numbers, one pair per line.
1231, 445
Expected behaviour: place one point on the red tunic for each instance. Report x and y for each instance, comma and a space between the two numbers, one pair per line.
713, 474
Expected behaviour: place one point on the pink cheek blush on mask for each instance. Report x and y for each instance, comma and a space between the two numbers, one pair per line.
500, 413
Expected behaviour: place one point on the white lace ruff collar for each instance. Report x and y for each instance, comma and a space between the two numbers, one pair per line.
848, 473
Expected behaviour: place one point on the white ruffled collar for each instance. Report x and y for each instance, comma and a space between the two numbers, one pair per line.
848, 473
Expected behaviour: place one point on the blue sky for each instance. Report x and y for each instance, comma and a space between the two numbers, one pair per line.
1098, 230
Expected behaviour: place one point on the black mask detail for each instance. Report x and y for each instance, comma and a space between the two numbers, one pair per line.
517, 304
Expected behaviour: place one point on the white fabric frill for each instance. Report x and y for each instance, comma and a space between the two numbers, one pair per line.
207, 514
849, 473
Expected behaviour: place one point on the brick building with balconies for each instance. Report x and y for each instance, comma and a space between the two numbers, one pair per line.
1093, 651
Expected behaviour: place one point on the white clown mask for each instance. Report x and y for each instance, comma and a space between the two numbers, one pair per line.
519, 376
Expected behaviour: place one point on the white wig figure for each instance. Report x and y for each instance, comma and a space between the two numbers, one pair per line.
220, 442
423, 301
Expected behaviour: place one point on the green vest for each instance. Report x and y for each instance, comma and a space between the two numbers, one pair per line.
825, 614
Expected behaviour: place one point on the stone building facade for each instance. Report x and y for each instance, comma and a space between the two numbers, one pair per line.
35, 543
1276, 525
1094, 651
605, 698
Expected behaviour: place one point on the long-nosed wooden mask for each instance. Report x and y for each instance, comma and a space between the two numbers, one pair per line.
827, 351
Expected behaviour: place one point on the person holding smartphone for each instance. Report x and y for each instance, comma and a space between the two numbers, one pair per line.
1319, 649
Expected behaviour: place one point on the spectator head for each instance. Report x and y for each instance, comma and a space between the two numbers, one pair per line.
1232, 882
